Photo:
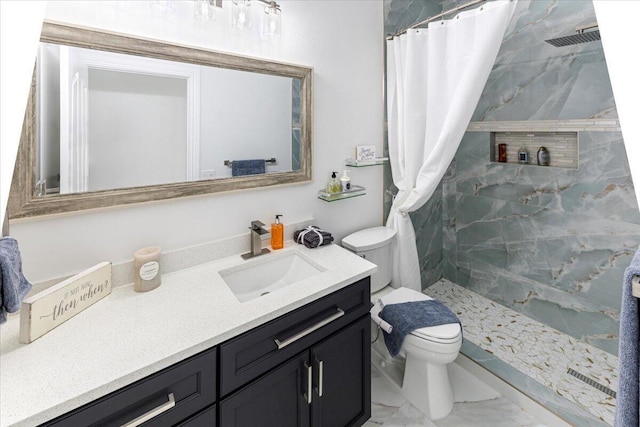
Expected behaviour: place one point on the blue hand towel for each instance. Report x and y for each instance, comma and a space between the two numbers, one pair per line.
247, 167
628, 396
408, 316
13, 285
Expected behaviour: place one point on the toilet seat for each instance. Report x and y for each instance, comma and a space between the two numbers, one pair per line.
444, 334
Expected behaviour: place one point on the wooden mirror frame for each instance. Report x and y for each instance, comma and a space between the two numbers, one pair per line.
22, 199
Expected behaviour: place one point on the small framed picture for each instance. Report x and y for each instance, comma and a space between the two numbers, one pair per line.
365, 152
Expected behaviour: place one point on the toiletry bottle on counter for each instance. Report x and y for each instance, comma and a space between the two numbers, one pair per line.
334, 185
543, 156
345, 181
277, 234
523, 156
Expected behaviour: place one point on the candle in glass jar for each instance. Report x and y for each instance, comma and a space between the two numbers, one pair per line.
146, 269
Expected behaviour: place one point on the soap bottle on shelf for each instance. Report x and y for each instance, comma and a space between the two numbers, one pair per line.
277, 234
345, 181
334, 185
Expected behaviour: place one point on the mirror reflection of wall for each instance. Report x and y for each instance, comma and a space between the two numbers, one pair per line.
112, 121
137, 130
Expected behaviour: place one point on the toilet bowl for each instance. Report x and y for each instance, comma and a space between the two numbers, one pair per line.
427, 350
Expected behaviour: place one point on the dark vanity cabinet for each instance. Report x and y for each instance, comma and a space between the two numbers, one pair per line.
183, 394
309, 367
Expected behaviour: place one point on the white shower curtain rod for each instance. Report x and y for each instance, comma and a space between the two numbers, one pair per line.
438, 16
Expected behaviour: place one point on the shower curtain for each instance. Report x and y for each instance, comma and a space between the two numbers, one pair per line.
435, 77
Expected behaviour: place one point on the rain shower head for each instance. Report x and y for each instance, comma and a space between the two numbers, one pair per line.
580, 37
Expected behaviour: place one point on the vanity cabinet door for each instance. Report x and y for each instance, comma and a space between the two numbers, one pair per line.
206, 418
278, 399
342, 377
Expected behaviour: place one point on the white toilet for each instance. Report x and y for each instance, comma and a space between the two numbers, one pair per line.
427, 350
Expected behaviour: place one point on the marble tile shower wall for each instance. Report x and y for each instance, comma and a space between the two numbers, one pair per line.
550, 243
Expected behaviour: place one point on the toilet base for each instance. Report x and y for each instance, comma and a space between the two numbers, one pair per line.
426, 386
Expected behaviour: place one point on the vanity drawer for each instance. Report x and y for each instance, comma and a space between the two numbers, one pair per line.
255, 352
191, 385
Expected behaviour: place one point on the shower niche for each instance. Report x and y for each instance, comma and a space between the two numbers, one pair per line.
561, 146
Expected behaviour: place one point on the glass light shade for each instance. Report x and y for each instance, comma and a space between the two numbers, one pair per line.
271, 24
204, 10
241, 14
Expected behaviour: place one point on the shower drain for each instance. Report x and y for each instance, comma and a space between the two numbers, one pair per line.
592, 383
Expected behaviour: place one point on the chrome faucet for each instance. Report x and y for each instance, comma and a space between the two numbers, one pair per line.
258, 234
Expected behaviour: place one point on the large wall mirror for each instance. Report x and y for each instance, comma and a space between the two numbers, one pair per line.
114, 120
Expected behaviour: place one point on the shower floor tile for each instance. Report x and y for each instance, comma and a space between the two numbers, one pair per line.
540, 352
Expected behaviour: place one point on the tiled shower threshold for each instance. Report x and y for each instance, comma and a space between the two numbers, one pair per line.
572, 379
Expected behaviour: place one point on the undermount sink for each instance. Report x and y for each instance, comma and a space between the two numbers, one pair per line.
262, 276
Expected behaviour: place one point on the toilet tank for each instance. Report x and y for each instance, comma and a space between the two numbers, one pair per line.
374, 245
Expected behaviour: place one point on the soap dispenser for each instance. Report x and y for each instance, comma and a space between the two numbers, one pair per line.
334, 185
277, 234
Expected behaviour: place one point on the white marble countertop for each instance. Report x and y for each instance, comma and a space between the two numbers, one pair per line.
128, 336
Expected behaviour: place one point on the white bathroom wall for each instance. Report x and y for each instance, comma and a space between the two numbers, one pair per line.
341, 40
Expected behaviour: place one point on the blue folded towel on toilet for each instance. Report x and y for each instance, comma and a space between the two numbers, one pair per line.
248, 167
13, 285
409, 316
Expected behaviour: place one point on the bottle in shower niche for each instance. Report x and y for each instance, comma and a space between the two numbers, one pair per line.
523, 156
502, 153
543, 156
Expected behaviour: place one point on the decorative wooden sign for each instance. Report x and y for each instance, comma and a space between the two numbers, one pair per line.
48, 309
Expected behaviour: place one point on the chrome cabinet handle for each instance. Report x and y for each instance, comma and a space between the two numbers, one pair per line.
281, 344
152, 413
308, 394
320, 376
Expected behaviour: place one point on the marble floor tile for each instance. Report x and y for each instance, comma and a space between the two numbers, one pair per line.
480, 405
408, 416
467, 388
499, 412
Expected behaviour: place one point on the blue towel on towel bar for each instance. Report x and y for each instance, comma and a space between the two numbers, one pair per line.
13, 285
247, 167
628, 396
408, 316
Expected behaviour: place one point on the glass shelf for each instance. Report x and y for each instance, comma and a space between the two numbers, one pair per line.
365, 163
355, 191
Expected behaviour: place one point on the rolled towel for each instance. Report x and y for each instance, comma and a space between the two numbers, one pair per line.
248, 167
312, 237
13, 285
409, 316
